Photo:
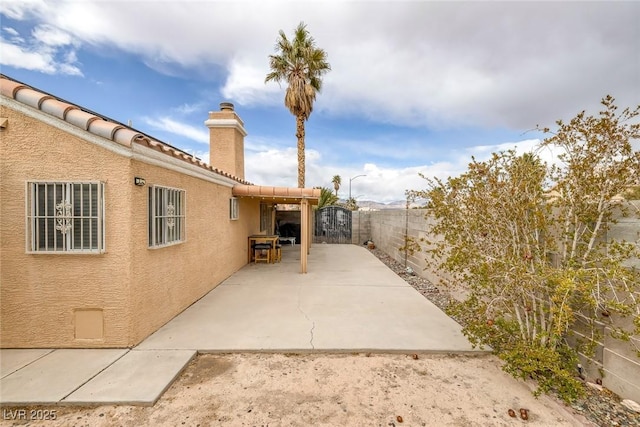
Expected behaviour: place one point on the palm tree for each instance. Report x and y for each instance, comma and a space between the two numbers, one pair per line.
336, 183
352, 204
300, 64
327, 198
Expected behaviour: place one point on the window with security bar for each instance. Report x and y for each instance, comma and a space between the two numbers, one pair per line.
166, 216
65, 217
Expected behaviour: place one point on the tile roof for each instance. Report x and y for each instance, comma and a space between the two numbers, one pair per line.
96, 124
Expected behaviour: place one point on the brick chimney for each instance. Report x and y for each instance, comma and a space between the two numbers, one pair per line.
226, 140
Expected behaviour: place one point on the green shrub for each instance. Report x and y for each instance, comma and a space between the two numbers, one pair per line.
528, 244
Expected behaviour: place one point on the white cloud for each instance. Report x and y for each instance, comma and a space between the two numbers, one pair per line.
506, 64
20, 9
274, 162
278, 167
16, 56
51, 36
492, 64
258, 143
11, 32
246, 85
185, 109
69, 69
169, 125
49, 50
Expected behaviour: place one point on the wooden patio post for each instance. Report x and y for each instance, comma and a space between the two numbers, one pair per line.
309, 227
304, 234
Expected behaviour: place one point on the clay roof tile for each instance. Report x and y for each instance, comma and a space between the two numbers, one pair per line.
9, 88
126, 136
31, 97
56, 108
104, 128
80, 118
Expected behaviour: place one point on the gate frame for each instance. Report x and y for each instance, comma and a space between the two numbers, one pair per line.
335, 235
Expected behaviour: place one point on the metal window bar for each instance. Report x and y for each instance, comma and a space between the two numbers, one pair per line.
175, 235
166, 216
171, 219
152, 224
85, 207
65, 217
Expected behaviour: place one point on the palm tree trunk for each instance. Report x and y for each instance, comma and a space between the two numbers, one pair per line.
301, 159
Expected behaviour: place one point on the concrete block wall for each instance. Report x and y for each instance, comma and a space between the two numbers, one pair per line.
360, 227
617, 360
386, 228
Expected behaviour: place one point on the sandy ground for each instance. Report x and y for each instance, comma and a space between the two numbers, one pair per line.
332, 390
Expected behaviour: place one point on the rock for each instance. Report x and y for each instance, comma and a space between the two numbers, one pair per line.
594, 386
631, 405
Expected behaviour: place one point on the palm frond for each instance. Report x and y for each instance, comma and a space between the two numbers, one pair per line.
301, 64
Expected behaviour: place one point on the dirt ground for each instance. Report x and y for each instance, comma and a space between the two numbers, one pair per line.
332, 390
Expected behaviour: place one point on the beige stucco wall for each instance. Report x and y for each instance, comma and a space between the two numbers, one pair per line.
129, 291
169, 279
40, 293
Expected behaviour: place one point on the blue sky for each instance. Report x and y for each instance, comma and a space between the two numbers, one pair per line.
415, 87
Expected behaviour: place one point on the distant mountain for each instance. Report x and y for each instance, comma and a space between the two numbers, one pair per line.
372, 205
378, 206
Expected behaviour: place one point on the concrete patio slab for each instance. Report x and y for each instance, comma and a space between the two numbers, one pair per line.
235, 318
389, 319
54, 376
138, 378
349, 301
14, 359
354, 266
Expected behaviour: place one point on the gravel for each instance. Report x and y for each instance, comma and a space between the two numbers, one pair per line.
599, 405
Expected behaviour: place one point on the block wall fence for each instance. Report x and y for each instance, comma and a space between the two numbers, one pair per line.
615, 362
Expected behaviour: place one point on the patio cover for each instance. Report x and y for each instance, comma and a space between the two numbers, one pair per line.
305, 197
282, 195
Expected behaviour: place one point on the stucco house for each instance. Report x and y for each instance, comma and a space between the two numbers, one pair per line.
107, 233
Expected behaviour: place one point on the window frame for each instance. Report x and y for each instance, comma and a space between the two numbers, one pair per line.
266, 216
162, 238
63, 217
234, 209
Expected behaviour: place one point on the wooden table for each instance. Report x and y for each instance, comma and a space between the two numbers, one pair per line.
260, 238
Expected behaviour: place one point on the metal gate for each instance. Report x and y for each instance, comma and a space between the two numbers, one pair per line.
333, 225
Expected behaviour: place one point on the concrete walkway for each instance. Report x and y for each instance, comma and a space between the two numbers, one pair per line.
348, 302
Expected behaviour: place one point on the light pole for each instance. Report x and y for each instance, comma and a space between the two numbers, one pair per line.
351, 179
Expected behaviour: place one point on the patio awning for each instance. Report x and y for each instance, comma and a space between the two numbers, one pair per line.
284, 195
287, 195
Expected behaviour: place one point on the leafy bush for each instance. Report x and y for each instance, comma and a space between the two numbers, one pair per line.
528, 244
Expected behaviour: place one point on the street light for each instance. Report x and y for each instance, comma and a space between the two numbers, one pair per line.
351, 179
